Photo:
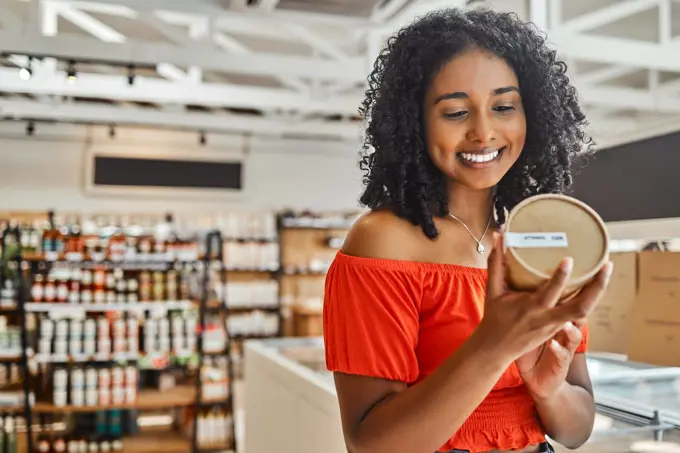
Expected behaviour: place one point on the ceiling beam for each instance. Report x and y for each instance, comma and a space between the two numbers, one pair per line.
172, 33
318, 42
199, 8
267, 5
158, 91
9, 20
538, 13
418, 8
602, 75
107, 34
91, 25
384, 10
617, 51
236, 47
628, 99
665, 22
192, 121
145, 53
608, 14
238, 5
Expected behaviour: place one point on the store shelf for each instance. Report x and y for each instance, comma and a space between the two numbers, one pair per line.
247, 308
146, 400
315, 224
10, 356
254, 336
245, 270
157, 442
51, 307
114, 357
216, 448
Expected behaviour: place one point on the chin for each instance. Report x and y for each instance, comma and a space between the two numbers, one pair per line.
477, 184
477, 179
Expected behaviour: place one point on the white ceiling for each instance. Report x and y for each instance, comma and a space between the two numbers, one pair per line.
297, 67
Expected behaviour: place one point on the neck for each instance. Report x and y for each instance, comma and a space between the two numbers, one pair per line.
471, 206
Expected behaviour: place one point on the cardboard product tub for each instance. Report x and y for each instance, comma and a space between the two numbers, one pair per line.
544, 229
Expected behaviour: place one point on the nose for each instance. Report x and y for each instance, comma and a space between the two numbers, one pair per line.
481, 130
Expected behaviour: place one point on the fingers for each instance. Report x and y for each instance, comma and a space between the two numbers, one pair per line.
581, 306
562, 354
553, 289
495, 285
572, 336
579, 323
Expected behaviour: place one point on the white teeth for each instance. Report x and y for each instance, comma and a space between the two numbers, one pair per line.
479, 157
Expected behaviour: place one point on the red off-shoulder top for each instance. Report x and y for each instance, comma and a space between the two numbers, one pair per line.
399, 320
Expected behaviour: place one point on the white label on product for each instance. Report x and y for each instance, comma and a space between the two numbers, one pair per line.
536, 240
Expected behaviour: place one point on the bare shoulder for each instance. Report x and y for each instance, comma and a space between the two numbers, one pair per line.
382, 234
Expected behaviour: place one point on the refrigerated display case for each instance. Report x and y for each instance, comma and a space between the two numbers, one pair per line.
291, 404
638, 407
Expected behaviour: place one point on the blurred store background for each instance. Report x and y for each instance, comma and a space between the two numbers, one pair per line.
177, 176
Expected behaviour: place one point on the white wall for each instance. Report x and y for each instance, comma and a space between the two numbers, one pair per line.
47, 170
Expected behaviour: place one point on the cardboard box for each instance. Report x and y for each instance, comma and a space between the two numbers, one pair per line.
308, 323
610, 323
655, 328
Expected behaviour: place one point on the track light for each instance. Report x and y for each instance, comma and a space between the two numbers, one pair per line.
112, 131
131, 75
203, 139
30, 128
26, 73
71, 74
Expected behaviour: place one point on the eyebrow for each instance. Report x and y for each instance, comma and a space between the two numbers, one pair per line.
463, 95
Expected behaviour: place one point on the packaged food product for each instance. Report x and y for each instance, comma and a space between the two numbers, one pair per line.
543, 230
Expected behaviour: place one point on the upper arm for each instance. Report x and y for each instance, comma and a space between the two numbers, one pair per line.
371, 320
357, 395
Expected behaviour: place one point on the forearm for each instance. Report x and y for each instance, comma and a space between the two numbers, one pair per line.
568, 416
422, 418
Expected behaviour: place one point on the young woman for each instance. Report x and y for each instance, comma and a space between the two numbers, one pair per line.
468, 113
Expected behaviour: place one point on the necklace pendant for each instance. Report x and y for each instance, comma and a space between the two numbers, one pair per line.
480, 248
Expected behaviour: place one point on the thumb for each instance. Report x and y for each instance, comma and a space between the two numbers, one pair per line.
495, 284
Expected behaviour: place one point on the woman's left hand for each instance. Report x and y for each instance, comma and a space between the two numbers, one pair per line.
545, 368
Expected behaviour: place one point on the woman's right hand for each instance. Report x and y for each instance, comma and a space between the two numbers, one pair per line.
519, 322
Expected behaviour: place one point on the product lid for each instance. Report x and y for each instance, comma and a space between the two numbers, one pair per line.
543, 230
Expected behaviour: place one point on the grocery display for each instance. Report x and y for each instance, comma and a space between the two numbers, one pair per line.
117, 338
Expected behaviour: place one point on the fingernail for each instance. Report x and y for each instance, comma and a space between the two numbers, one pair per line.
568, 325
567, 264
609, 270
555, 345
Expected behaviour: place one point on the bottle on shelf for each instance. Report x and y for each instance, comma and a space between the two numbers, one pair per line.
52, 243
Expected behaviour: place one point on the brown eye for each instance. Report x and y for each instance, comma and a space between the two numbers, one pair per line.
504, 108
455, 115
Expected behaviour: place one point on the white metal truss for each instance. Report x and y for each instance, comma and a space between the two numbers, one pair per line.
224, 123
311, 65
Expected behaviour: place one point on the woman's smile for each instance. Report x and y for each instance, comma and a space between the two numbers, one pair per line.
481, 158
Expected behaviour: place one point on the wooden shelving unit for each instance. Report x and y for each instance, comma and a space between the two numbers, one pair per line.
308, 246
188, 396
157, 441
146, 400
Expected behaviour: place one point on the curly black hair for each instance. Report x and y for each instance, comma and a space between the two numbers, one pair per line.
398, 171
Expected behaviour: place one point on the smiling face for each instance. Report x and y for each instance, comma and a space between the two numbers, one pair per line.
475, 122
